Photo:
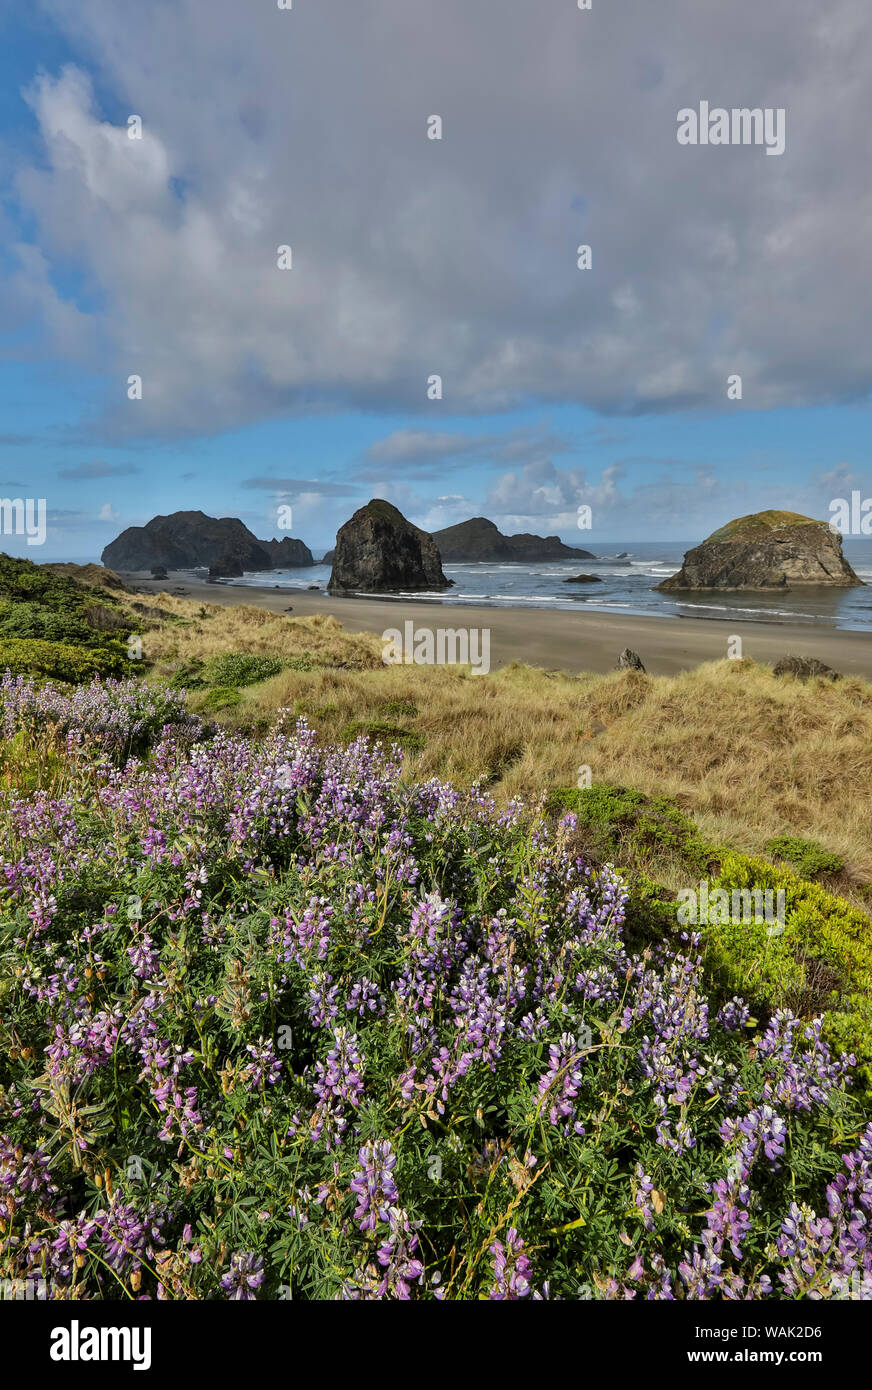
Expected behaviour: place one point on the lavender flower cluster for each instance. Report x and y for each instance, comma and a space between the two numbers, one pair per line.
119, 717
277, 1019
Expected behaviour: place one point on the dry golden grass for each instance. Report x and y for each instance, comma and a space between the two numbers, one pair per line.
749, 756
199, 631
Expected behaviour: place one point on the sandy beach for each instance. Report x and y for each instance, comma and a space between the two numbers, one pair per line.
558, 640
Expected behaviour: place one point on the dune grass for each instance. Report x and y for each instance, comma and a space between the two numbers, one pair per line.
750, 756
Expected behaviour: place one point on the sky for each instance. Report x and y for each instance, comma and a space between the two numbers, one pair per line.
411, 258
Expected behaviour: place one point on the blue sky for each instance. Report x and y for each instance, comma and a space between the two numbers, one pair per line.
560, 387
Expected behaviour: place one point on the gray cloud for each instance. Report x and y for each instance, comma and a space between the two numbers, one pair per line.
293, 487
425, 449
414, 257
677, 500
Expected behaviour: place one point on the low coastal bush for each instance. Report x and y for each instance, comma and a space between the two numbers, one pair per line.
60, 662
808, 857
51, 625
275, 1021
400, 709
822, 960
240, 668
408, 739
630, 826
221, 697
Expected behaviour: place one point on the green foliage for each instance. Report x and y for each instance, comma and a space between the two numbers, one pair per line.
304, 662
651, 910
409, 739
198, 1034
61, 661
221, 697
241, 668
809, 858
632, 828
399, 709
188, 675
229, 671
50, 625
823, 960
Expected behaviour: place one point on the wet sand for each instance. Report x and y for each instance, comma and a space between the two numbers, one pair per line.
558, 640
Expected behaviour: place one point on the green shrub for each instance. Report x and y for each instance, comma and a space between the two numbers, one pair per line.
399, 709
633, 828
823, 960
50, 625
651, 911
188, 675
240, 668
60, 660
221, 697
808, 857
31, 621
409, 739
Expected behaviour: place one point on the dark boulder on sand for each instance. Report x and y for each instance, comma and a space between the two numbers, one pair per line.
226, 567
805, 668
630, 660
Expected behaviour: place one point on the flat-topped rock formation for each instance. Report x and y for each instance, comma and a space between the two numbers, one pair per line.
189, 540
479, 539
766, 550
379, 551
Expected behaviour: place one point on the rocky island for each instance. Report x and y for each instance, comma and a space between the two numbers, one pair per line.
480, 539
379, 551
189, 540
766, 550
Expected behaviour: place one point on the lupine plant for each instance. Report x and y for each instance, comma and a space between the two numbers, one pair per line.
120, 717
277, 1024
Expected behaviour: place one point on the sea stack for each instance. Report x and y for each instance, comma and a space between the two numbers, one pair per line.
188, 540
379, 551
479, 539
766, 550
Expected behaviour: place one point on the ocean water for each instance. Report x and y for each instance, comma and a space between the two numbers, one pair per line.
627, 587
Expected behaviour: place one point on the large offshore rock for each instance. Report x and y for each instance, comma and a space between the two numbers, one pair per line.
766, 550
186, 540
479, 539
288, 553
379, 551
